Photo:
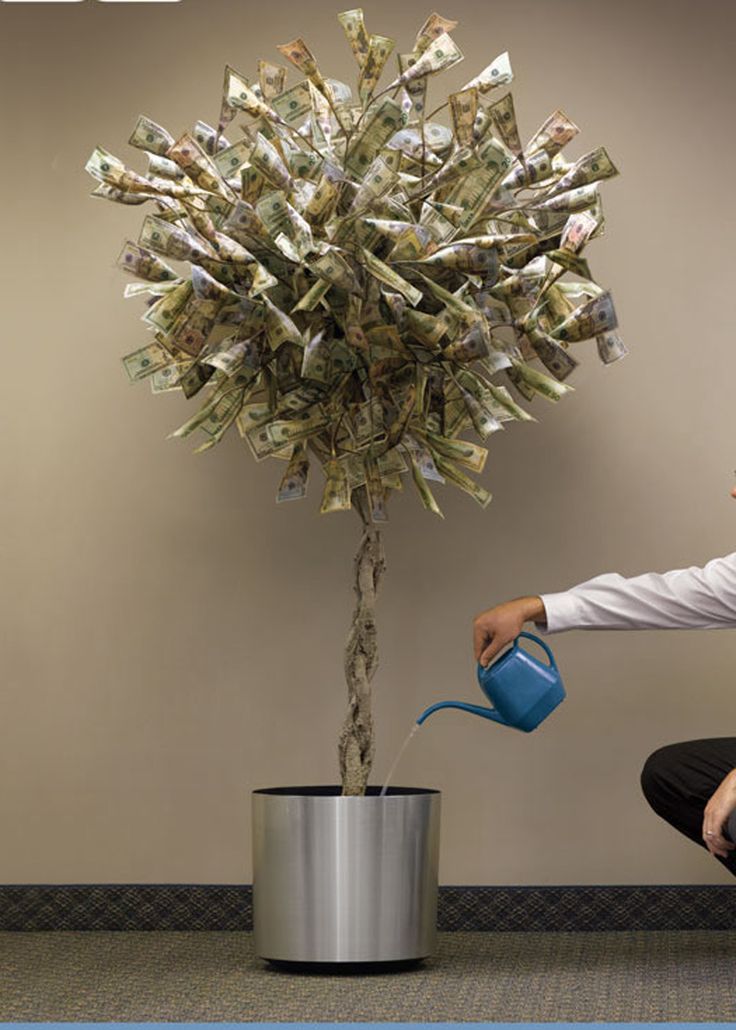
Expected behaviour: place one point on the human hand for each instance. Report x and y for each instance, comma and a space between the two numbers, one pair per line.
720, 806
500, 625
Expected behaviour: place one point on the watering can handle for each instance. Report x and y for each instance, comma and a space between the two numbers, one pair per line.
541, 644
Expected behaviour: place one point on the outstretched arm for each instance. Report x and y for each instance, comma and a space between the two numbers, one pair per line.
692, 598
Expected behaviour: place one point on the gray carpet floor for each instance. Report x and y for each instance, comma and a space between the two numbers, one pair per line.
632, 976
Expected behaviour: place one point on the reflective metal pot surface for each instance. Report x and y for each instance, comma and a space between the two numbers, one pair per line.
345, 879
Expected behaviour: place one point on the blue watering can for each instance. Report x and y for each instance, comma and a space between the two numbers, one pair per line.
522, 690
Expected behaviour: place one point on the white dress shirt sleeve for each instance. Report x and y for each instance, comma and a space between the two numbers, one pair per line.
693, 598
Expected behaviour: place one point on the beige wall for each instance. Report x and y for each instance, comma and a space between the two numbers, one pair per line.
173, 639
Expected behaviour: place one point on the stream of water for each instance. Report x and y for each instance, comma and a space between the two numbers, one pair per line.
392, 770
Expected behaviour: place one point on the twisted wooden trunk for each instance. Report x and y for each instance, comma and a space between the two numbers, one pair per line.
356, 745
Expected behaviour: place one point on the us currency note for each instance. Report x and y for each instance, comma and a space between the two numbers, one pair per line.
353, 24
387, 119
593, 318
497, 73
144, 263
293, 485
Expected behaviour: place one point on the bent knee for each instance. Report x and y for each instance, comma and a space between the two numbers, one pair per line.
657, 769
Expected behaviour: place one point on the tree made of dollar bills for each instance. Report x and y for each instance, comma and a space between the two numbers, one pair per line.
356, 279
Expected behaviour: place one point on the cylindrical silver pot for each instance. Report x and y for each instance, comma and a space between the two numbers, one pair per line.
345, 879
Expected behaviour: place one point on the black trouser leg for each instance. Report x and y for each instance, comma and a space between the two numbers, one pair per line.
679, 779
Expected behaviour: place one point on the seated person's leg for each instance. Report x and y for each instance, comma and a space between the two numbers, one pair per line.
679, 779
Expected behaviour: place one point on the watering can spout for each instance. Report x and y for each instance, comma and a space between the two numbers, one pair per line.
486, 713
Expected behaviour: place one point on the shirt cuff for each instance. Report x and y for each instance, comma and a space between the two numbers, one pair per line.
562, 612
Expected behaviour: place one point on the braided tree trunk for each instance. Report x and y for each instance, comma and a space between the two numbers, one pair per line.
356, 745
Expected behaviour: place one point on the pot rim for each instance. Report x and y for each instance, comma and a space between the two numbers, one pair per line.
335, 791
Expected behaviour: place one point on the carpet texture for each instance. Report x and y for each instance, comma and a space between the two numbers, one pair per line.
629, 976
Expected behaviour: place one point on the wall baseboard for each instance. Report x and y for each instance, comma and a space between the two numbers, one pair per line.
26, 907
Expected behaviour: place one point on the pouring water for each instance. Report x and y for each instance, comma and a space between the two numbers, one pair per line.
522, 690
392, 770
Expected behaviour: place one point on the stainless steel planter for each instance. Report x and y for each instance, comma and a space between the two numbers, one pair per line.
345, 879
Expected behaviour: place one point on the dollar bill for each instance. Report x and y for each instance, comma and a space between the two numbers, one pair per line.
280, 328
239, 96
428, 329
229, 356
244, 220
264, 440
451, 472
322, 203
229, 161
554, 357
209, 139
441, 53
413, 244
164, 168
368, 421
294, 105
433, 27
206, 287
145, 361
163, 314
386, 119
120, 196
147, 135
166, 379
271, 78
457, 167
464, 452
379, 179
220, 416
321, 118
504, 406
593, 318
144, 263
503, 115
316, 363
109, 169
192, 325
293, 485
302, 58
198, 165
253, 415
385, 274
305, 164
335, 268
610, 347
336, 492
537, 381
265, 158
171, 241
438, 223
577, 231
471, 346
497, 73
414, 89
591, 167
553, 134
572, 200
463, 108
420, 452
379, 49
353, 24
464, 256
473, 192
420, 481
313, 297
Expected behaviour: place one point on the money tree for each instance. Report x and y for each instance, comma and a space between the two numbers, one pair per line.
357, 282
